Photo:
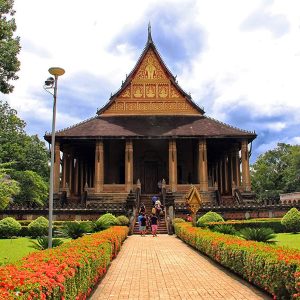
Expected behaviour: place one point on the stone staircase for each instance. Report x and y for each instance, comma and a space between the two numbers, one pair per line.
162, 226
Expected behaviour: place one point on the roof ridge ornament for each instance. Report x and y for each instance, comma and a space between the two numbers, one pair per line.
149, 34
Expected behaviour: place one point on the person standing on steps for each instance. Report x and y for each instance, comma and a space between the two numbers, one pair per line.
154, 199
154, 224
142, 209
143, 223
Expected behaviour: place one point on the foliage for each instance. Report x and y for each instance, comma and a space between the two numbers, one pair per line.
66, 272
274, 269
27, 152
9, 47
34, 189
75, 229
209, 217
42, 243
224, 228
8, 187
178, 220
105, 221
38, 227
9, 227
276, 171
291, 220
273, 223
257, 234
123, 220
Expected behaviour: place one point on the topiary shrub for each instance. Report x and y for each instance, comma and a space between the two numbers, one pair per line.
9, 227
177, 220
209, 217
38, 227
106, 221
291, 220
226, 229
257, 234
123, 220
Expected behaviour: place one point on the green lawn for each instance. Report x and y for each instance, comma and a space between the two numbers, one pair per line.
12, 250
288, 239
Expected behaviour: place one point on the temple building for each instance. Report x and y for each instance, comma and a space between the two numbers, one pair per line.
150, 133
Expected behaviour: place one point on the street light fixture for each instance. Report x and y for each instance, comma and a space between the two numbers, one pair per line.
51, 83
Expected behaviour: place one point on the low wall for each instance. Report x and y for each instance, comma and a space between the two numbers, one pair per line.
58, 214
240, 212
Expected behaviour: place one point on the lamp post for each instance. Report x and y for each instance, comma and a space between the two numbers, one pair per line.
51, 83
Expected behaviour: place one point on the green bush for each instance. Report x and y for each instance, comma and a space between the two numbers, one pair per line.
75, 229
9, 227
273, 223
223, 228
105, 221
177, 220
42, 243
291, 220
38, 227
123, 220
257, 234
209, 217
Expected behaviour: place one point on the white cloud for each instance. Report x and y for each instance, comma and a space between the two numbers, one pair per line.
247, 66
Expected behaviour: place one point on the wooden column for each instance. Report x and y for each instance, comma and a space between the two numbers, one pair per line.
70, 181
64, 170
99, 167
246, 183
236, 166
76, 177
221, 176
231, 158
56, 168
81, 177
202, 165
128, 165
226, 186
172, 165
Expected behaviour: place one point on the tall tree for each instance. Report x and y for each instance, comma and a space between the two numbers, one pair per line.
276, 171
8, 186
28, 152
9, 47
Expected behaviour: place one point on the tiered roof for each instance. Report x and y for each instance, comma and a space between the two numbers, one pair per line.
150, 103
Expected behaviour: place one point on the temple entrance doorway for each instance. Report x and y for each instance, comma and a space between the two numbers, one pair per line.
150, 177
150, 164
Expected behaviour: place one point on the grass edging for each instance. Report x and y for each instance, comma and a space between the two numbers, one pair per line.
272, 268
66, 272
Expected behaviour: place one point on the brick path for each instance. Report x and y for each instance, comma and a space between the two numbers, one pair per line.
164, 267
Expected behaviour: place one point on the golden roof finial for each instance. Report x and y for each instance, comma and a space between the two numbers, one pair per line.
149, 33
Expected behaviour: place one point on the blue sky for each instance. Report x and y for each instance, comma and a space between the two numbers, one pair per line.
240, 60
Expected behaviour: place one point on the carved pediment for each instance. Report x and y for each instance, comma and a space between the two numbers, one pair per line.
150, 91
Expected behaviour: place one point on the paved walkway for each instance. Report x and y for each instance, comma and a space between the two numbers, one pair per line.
164, 267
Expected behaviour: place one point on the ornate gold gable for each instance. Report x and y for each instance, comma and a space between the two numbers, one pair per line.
150, 92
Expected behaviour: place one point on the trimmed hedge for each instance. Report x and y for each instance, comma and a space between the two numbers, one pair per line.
274, 224
9, 227
69, 271
274, 269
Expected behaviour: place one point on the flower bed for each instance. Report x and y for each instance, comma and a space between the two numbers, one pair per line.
274, 269
66, 272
